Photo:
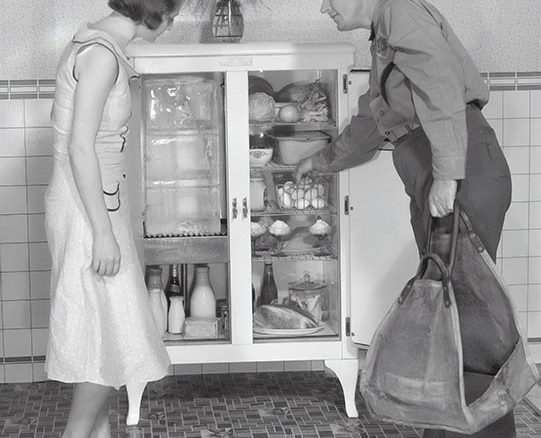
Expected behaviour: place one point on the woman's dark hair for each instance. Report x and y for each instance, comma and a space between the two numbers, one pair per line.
148, 12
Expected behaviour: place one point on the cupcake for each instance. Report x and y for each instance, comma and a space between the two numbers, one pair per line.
279, 228
320, 228
256, 229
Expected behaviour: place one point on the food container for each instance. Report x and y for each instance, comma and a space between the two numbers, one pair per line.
311, 296
260, 157
298, 145
258, 193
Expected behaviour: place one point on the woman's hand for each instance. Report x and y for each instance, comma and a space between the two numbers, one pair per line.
442, 197
305, 166
105, 254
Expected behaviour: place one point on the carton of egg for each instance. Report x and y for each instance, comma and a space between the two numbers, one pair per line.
306, 194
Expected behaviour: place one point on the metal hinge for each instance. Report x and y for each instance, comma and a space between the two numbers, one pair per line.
345, 84
346, 205
348, 326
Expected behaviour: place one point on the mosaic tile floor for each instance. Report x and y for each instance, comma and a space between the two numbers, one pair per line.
299, 404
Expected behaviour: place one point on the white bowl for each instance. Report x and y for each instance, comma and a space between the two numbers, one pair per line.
260, 157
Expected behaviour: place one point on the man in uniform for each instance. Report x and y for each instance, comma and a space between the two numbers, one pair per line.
425, 97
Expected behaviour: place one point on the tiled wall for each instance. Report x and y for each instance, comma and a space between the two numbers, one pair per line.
26, 161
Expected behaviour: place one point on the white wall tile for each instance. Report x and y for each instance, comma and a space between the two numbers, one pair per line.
515, 243
535, 243
215, 368
534, 297
494, 108
535, 159
16, 314
36, 201
523, 321
11, 114
15, 286
2, 374
516, 104
38, 371
515, 270
535, 187
534, 271
40, 313
14, 257
39, 169
534, 324
36, 228
517, 216
270, 367
40, 257
499, 261
39, 342
12, 200
497, 126
12, 171
13, 228
535, 103
17, 343
1, 342
39, 141
535, 132
40, 284
242, 367
516, 132
518, 159
18, 373
12, 142
519, 296
521, 188
37, 112
535, 214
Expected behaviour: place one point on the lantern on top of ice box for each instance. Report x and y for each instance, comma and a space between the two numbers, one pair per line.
228, 22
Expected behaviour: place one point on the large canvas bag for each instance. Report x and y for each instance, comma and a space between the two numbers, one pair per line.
413, 373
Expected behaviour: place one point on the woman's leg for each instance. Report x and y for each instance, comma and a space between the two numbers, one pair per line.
102, 428
86, 406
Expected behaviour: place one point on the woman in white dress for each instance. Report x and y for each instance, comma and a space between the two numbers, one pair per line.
102, 334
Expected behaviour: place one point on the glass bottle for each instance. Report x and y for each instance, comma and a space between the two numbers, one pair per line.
158, 301
202, 301
176, 315
269, 291
173, 287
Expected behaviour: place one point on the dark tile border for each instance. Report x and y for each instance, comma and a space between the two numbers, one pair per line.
44, 88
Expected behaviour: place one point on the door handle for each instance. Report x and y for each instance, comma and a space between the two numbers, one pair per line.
235, 210
244, 208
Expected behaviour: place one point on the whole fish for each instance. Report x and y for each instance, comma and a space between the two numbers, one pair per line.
278, 316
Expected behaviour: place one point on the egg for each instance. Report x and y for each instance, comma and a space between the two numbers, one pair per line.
289, 114
280, 191
302, 204
297, 194
320, 189
286, 201
311, 194
289, 186
318, 203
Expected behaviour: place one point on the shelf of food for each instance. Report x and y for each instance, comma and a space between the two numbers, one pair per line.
298, 126
297, 256
273, 209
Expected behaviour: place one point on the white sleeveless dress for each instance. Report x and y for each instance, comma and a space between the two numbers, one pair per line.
101, 328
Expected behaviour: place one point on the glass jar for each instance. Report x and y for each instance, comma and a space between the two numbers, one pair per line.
258, 193
311, 296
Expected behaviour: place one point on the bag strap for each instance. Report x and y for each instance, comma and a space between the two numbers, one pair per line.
457, 214
423, 266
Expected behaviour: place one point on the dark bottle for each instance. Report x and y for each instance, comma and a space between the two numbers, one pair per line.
173, 287
269, 292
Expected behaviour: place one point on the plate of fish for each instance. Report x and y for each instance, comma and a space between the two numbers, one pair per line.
284, 320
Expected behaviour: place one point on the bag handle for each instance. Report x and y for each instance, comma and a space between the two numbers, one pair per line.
457, 214
423, 266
